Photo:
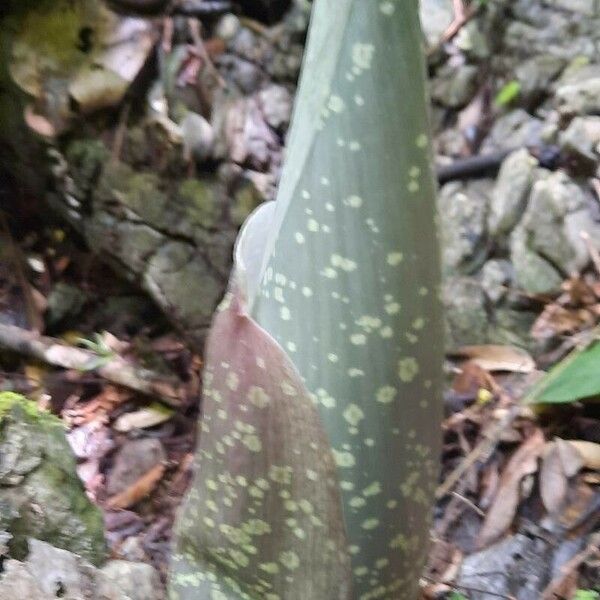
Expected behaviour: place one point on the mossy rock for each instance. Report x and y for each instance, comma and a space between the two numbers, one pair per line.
40, 494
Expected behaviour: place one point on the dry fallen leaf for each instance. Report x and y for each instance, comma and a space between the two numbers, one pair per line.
589, 452
493, 357
138, 490
149, 416
501, 514
553, 480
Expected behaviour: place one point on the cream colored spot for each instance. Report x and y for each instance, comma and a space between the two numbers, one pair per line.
357, 502
329, 272
285, 313
359, 100
408, 369
362, 55
208, 522
291, 346
394, 258
307, 292
289, 560
354, 146
258, 397
324, 181
421, 141
345, 264
387, 7
312, 475
329, 207
418, 323
368, 323
287, 388
372, 490
232, 381
353, 201
347, 486
370, 524
354, 414
270, 568
312, 225
252, 443
260, 363
336, 104
358, 339
278, 294
413, 186
300, 239
393, 308
281, 475
370, 442
386, 394
386, 332
306, 194
332, 357
354, 372
343, 459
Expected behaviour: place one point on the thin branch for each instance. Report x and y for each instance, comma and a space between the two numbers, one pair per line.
483, 450
116, 369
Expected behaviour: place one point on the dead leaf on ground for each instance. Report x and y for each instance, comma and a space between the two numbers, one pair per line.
553, 481
138, 490
492, 357
589, 452
502, 512
148, 416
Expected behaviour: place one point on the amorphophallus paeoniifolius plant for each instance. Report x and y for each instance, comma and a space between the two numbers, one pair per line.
318, 450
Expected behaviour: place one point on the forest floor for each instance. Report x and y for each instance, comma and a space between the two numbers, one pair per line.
518, 506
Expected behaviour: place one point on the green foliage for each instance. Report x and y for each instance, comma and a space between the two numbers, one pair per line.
586, 595
575, 378
99, 346
457, 596
508, 93
323, 368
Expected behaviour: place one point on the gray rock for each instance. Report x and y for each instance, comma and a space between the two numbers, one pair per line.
50, 572
588, 8
40, 493
556, 216
276, 105
198, 136
227, 27
471, 40
496, 571
436, 15
496, 277
454, 86
581, 141
138, 581
547, 244
514, 130
134, 459
511, 327
579, 98
466, 316
509, 197
533, 274
536, 75
463, 210
65, 299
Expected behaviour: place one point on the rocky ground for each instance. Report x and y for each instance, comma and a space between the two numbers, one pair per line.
514, 81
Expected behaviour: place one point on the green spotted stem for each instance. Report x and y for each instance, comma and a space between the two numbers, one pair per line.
350, 283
